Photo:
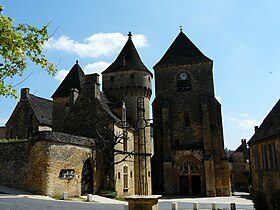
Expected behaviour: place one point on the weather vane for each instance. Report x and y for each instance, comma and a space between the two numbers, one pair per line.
181, 28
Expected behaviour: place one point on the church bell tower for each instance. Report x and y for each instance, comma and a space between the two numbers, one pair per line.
188, 143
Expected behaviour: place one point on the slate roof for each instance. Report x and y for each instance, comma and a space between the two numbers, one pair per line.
270, 126
42, 109
182, 51
74, 79
104, 103
128, 59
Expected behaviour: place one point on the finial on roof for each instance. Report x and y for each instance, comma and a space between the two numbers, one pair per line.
181, 28
77, 61
129, 35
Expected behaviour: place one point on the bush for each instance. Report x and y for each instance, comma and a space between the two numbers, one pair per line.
108, 193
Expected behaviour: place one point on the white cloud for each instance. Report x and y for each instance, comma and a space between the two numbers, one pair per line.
97, 67
61, 74
245, 115
90, 68
248, 123
96, 45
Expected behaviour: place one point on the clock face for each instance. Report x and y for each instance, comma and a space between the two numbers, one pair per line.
183, 76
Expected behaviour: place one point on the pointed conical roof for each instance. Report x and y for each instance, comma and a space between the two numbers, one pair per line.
128, 59
74, 79
182, 51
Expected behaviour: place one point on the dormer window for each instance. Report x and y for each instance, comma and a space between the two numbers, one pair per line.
183, 82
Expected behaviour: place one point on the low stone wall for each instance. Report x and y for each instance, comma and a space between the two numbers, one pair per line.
14, 163
35, 165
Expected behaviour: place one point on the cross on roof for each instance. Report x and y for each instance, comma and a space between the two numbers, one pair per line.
129, 35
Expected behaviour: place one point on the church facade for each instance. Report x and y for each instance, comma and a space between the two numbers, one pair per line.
189, 156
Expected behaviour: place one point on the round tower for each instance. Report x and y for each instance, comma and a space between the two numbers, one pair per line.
128, 80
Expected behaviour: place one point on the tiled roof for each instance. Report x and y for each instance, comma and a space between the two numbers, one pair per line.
270, 126
182, 51
42, 109
128, 59
74, 79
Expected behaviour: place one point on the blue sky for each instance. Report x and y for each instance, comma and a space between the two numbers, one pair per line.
241, 37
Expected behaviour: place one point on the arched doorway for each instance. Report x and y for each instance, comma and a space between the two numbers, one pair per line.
189, 179
87, 178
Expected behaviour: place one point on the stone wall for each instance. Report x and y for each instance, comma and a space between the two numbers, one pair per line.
14, 163
265, 173
35, 166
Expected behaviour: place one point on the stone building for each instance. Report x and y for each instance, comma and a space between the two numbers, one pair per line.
189, 156
264, 147
240, 168
32, 114
2, 132
95, 140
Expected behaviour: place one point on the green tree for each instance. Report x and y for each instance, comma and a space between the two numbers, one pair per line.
18, 44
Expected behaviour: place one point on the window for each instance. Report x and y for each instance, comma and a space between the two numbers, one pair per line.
187, 120
11, 133
112, 79
264, 157
177, 142
125, 177
119, 175
131, 76
184, 82
272, 157
125, 141
256, 155
67, 174
130, 174
29, 132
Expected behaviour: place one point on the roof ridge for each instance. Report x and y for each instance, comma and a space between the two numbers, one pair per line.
40, 97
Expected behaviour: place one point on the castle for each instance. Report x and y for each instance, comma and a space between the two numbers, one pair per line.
86, 140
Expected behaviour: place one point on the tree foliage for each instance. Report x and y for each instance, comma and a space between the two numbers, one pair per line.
18, 44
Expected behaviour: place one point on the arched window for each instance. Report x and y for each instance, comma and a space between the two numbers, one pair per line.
184, 82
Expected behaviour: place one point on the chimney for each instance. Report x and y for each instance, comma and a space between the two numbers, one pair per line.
74, 94
24, 93
92, 84
256, 128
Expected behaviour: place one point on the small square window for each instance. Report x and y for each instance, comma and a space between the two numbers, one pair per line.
67, 174
131, 76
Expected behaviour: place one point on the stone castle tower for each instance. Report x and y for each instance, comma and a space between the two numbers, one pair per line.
65, 95
189, 147
127, 80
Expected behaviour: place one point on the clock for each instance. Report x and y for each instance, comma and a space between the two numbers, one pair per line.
183, 76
